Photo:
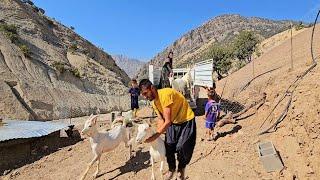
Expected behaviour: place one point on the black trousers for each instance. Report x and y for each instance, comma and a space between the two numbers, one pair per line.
180, 139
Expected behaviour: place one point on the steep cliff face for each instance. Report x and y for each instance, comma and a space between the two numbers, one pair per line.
219, 29
47, 71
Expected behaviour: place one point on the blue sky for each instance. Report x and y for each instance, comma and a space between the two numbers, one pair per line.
142, 28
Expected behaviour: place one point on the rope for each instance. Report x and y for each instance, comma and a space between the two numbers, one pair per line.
293, 85
248, 83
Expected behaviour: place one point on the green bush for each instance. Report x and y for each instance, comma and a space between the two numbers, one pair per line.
10, 31
25, 50
240, 64
9, 28
299, 26
59, 66
13, 37
75, 72
73, 47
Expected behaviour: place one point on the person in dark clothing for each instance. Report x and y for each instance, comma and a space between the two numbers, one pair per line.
166, 72
134, 92
176, 118
170, 59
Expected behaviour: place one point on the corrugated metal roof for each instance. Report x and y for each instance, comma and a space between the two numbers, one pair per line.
16, 129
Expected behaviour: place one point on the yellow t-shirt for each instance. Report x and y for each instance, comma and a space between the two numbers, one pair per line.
180, 109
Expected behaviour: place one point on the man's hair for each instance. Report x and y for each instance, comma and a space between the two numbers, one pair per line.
145, 83
134, 81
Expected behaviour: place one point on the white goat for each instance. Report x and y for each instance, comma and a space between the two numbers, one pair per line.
103, 141
180, 84
157, 149
120, 119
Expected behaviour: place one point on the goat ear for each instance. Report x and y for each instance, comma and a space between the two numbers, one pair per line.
94, 119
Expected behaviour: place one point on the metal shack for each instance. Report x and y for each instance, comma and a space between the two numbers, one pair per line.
19, 138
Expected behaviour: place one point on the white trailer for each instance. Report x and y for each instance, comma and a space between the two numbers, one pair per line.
201, 74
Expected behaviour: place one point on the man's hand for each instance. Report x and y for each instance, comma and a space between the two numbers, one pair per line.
152, 138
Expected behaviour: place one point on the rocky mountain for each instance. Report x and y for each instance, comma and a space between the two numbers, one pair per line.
47, 71
129, 65
219, 29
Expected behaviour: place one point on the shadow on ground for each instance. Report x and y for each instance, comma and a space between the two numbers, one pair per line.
135, 164
234, 130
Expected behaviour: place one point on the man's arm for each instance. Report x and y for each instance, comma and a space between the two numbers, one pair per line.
167, 120
162, 127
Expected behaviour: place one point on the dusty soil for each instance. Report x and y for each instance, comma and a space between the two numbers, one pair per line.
234, 154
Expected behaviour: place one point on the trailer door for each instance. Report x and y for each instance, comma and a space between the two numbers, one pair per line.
203, 73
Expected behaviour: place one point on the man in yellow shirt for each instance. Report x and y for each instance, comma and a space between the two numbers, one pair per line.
176, 118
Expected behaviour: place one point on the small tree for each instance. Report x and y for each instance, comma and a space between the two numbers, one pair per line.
221, 58
244, 45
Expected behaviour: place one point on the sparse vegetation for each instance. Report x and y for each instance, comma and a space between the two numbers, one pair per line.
10, 31
59, 66
25, 50
299, 26
73, 47
72, 28
75, 72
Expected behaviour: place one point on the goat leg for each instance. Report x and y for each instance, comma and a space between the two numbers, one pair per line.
128, 144
161, 167
90, 164
97, 171
152, 168
130, 151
